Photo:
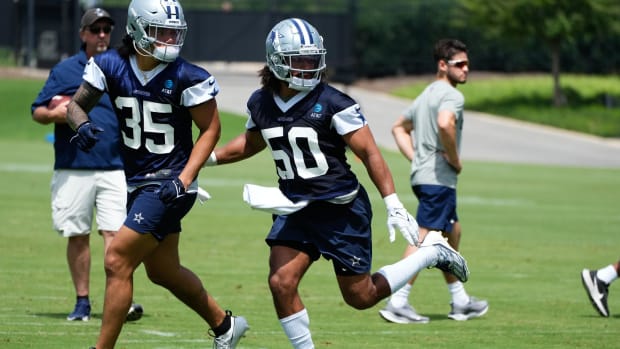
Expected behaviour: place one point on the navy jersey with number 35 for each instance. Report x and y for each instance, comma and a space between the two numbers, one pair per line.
304, 135
152, 109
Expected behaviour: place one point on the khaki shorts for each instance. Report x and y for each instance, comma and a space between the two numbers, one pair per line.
77, 195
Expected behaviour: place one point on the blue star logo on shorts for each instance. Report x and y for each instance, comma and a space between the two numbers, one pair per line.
137, 217
355, 261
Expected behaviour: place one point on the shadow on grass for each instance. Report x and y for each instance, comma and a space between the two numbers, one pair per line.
93, 316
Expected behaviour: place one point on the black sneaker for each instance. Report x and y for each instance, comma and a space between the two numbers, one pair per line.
597, 291
135, 312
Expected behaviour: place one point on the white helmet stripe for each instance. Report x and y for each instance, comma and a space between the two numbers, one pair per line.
304, 31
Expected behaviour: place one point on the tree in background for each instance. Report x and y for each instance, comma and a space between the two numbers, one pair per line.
555, 22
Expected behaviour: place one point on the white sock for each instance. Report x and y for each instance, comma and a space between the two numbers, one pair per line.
401, 297
399, 273
607, 274
457, 291
297, 329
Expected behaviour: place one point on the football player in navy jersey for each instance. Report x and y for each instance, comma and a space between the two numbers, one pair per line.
84, 184
320, 208
156, 95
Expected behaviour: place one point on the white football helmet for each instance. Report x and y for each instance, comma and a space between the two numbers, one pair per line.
295, 53
157, 28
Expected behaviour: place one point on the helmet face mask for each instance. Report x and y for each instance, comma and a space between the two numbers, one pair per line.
168, 41
157, 28
295, 53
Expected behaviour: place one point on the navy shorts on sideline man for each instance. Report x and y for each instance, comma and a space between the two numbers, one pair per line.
147, 214
341, 233
436, 207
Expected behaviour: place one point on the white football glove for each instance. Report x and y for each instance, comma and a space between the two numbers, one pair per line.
398, 217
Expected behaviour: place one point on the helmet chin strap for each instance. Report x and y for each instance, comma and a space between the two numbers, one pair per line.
139, 50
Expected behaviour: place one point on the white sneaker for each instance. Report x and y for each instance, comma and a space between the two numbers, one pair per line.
229, 340
403, 315
449, 259
473, 308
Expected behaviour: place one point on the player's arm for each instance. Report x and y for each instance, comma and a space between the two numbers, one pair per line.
362, 143
83, 101
241, 147
207, 119
401, 131
446, 121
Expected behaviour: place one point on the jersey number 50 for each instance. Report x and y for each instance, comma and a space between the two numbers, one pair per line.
294, 134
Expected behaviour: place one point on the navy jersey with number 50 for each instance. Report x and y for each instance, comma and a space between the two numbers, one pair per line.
304, 135
152, 110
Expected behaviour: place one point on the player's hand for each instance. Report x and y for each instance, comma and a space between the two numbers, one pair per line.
86, 136
399, 218
171, 190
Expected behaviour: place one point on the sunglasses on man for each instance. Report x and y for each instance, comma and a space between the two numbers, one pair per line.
458, 63
96, 29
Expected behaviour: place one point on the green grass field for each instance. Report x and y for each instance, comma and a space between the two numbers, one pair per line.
527, 233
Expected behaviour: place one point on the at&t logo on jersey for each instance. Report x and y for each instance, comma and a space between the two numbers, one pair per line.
168, 85
316, 111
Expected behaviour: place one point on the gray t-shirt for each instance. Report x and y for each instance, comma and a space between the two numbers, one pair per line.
429, 166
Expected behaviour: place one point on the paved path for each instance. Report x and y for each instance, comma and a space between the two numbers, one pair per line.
485, 137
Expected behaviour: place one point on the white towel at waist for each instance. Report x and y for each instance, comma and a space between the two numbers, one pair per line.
270, 199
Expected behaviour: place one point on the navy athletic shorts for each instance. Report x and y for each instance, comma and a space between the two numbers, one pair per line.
340, 233
436, 207
147, 214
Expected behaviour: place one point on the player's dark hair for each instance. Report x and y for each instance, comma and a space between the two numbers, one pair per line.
126, 48
268, 80
445, 49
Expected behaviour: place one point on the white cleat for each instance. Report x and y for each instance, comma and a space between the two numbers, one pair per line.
229, 340
449, 259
